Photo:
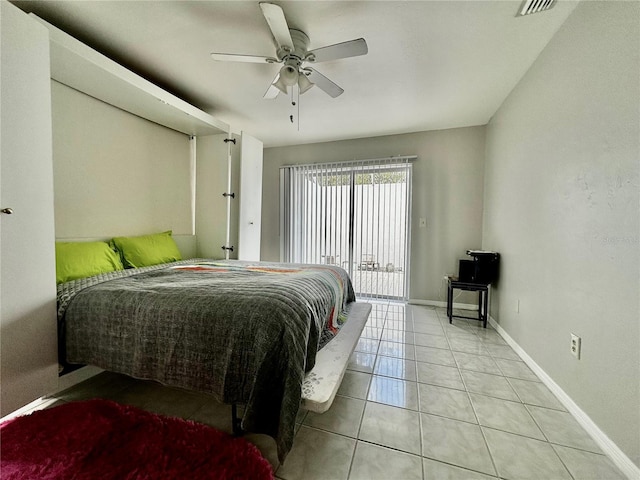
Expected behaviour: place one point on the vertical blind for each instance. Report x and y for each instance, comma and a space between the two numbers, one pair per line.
352, 214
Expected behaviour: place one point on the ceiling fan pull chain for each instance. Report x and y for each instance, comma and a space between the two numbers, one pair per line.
298, 90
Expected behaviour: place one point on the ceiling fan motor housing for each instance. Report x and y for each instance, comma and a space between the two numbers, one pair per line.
299, 53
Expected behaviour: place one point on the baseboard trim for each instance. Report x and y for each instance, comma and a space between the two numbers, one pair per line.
617, 456
436, 303
37, 404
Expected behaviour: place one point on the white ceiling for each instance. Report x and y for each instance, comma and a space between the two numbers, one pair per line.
431, 64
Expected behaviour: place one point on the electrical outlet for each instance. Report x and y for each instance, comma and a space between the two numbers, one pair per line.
576, 344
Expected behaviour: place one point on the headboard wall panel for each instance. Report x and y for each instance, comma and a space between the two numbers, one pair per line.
116, 173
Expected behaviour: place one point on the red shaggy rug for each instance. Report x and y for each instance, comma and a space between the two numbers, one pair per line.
102, 440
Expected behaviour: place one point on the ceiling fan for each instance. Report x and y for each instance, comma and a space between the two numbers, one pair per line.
293, 54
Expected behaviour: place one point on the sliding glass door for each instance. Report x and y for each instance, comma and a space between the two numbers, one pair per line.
355, 215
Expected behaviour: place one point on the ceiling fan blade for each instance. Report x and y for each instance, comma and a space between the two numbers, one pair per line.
352, 48
272, 92
274, 16
323, 83
232, 57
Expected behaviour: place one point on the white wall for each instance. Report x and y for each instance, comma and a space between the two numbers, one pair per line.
561, 205
116, 173
447, 191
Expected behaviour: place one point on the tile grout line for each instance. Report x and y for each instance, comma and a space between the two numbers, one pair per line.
549, 442
420, 428
357, 439
475, 413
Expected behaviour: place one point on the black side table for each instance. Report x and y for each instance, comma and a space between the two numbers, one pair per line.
483, 299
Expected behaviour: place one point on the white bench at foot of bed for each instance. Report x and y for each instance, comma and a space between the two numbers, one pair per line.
322, 382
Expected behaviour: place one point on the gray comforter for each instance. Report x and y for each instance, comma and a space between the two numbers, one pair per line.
246, 333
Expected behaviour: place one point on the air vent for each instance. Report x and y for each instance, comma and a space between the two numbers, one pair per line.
534, 6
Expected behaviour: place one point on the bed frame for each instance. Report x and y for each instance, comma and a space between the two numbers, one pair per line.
322, 382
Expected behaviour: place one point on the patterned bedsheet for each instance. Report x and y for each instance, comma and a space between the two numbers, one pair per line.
243, 332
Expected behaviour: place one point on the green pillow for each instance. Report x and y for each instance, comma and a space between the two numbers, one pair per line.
147, 250
84, 259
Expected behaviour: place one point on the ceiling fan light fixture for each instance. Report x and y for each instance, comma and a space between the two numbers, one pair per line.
280, 85
304, 84
288, 75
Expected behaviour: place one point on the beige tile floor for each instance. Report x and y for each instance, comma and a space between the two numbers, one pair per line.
421, 399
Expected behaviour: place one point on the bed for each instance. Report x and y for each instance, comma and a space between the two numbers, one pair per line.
249, 333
